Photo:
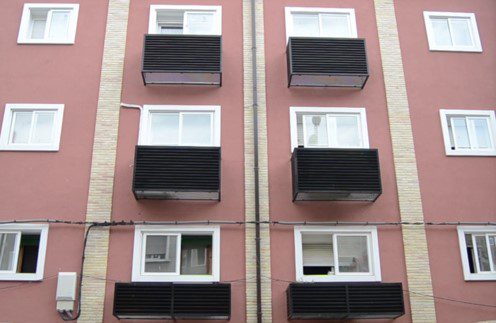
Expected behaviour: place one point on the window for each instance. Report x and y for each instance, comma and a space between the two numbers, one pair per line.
478, 251
31, 127
337, 254
469, 132
176, 253
180, 125
451, 31
22, 251
328, 127
320, 22
190, 20
48, 23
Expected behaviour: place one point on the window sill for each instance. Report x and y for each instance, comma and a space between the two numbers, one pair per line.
28, 148
341, 278
21, 277
455, 49
480, 277
470, 153
176, 278
44, 42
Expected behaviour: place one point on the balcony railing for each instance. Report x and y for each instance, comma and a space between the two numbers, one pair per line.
182, 59
177, 173
345, 300
172, 301
334, 174
327, 62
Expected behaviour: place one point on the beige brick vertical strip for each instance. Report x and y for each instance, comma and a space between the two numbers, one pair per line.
251, 299
414, 238
103, 163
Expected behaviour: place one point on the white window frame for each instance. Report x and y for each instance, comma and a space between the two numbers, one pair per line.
478, 230
446, 113
144, 131
5, 135
23, 37
373, 249
290, 10
360, 112
141, 231
217, 11
474, 32
42, 230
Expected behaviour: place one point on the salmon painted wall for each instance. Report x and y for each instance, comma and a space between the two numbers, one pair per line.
230, 98
40, 185
279, 99
453, 188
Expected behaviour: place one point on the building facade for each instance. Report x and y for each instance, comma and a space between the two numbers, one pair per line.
248, 160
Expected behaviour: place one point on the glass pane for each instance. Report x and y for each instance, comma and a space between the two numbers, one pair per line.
38, 28
43, 127
441, 30
482, 252
197, 129
160, 254
353, 254
7, 251
347, 130
460, 31
335, 25
59, 26
164, 129
460, 132
200, 22
492, 246
318, 256
315, 131
481, 129
21, 128
305, 24
194, 255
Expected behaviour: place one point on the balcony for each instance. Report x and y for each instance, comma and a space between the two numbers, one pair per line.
172, 301
177, 173
345, 301
327, 62
182, 59
332, 174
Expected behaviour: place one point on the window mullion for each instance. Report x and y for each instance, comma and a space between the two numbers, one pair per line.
476, 253
490, 256
331, 130
34, 120
320, 25
178, 253
180, 129
450, 32
472, 137
335, 253
16, 251
48, 24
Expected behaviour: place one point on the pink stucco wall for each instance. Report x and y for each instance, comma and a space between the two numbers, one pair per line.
230, 98
279, 99
49, 184
453, 188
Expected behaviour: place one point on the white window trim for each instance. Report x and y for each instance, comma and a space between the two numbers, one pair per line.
152, 22
374, 258
138, 276
290, 10
7, 123
294, 111
444, 113
25, 21
144, 128
42, 229
462, 230
477, 47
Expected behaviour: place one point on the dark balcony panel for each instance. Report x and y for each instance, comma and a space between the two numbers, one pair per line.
177, 173
345, 300
327, 62
182, 59
172, 301
196, 301
332, 174
143, 300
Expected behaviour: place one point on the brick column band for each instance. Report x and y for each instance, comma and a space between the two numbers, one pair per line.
99, 206
414, 238
251, 299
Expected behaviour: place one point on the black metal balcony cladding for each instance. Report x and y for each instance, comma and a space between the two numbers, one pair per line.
335, 174
327, 62
177, 173
172, 301
345, 300
182, 59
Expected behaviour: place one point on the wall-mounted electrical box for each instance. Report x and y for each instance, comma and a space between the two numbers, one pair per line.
66, 291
